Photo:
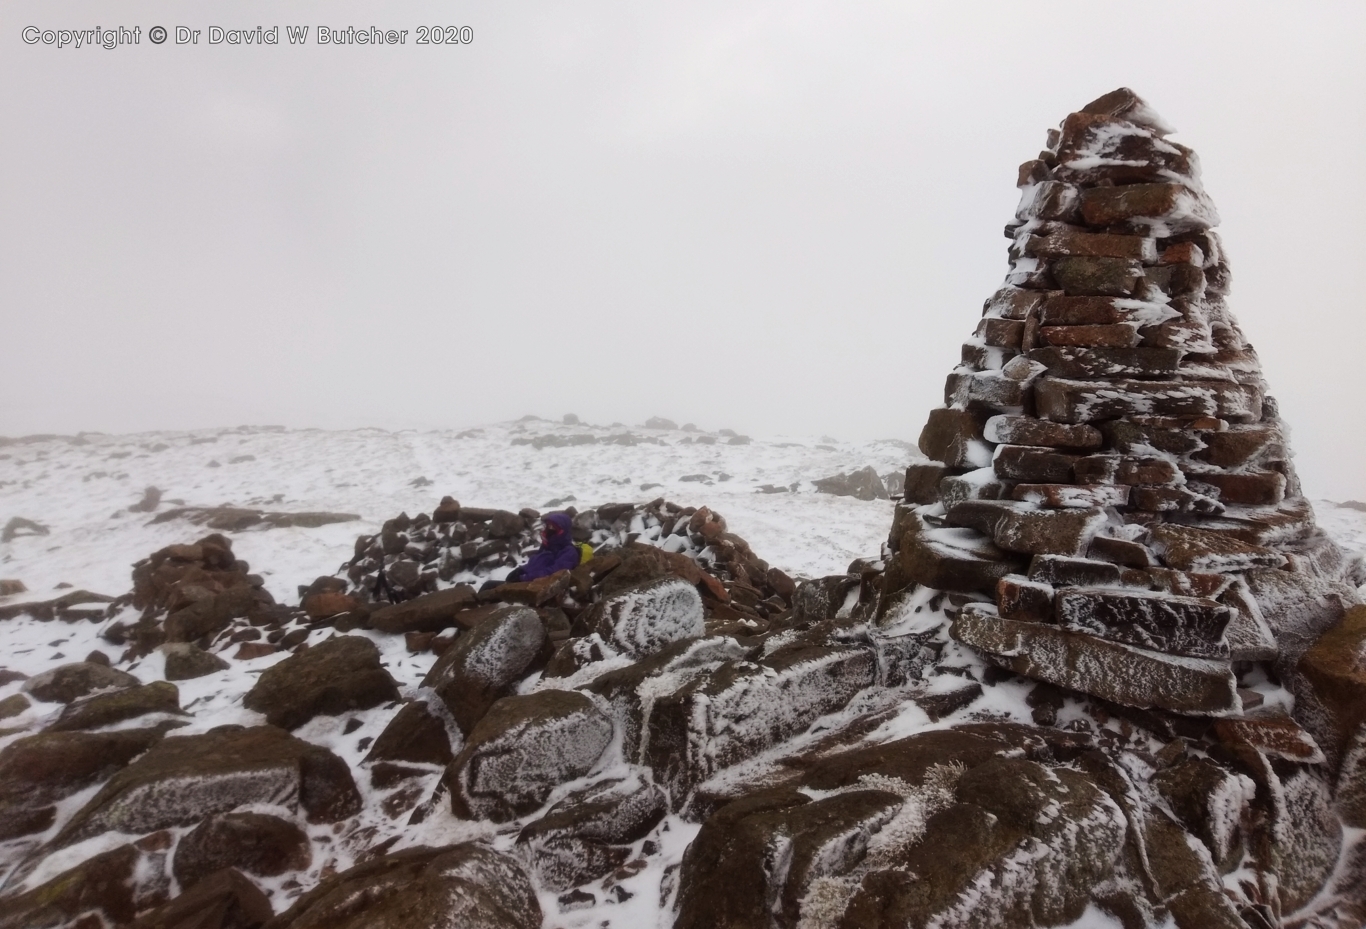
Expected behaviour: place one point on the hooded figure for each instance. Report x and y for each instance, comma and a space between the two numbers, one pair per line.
557, 553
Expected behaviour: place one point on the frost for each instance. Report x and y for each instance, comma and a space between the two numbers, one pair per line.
645, 619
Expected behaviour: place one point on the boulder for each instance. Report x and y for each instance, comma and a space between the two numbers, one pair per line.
256, 843
524, 748
590, 833
337, 676
182, 780
630, 691
468, 886
102, 883
415, 734
1333, 675
78, 679
955, 438
225, 900
1022, 845
1212, 803
730, 878
1113, 671
186, 661
934, 829
105, 709
39, 770
485, 662
14, 705
1308, 837
1183, 876
645, 618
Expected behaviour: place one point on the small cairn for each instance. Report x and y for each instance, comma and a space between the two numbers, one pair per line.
1111, 496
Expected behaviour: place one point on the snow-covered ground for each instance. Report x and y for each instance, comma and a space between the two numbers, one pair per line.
81, 491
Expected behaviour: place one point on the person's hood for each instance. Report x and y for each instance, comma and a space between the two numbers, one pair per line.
563, 522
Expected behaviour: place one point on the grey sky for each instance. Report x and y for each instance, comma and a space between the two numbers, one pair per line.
776, 217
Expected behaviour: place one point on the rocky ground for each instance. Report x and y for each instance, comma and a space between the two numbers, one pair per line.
1099, 664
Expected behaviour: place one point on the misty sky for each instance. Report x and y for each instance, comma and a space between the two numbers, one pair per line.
773, 217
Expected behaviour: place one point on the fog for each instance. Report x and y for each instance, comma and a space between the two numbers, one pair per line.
772, 217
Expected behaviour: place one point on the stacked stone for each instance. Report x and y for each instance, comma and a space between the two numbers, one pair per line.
1108, 469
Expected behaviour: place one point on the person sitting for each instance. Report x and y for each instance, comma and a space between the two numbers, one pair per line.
557, 552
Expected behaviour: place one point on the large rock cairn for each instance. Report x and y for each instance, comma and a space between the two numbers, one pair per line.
1111, 492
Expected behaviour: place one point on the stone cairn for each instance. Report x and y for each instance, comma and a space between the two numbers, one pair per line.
1110, 482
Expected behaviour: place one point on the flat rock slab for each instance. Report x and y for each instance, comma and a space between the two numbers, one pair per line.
236, 519
1149, 619
1080, 401
469, 886
1191, 549
933, 560
1109, 670
427, 613
183, 779
523, 749
336, 676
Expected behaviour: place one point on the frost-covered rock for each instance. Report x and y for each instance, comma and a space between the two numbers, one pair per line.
764, 853
742, 708
1332, 686
181, 780
37, 771
1121, 673
339, 675
1308, 837
469, 886
1022, 845
1212, 803
485, 662
630, 692
643, 619
590, 833
522, 749
935, 829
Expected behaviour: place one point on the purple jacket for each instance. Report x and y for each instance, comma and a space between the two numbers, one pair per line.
561, 553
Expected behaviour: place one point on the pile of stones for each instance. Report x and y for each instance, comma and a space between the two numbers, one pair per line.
1110, 482
453, 551
1110, 527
